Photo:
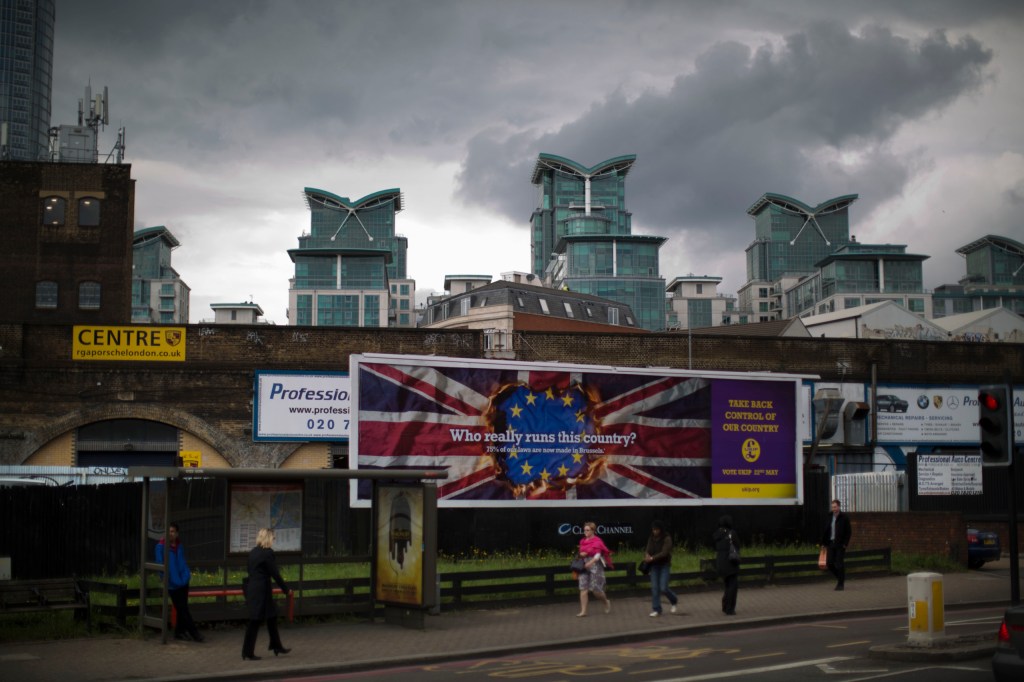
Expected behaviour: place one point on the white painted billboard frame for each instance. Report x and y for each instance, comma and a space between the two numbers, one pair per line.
278, 422
799, 393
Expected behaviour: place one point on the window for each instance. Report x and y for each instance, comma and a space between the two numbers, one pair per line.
464, 306
371, 311
53, 211
613, 315
519, 299
568, 309
88, 211
544, 306
89, 295
700, 288
46, 294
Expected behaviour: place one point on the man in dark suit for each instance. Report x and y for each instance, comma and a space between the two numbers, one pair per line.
835, 539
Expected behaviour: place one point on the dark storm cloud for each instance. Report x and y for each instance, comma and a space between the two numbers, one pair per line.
231, 106
749, 121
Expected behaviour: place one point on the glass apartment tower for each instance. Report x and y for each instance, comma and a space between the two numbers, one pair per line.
26, 73
994, 278
790, 238
582, 237
158, 293
350, 269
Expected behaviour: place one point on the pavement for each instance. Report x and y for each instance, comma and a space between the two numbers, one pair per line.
351, 645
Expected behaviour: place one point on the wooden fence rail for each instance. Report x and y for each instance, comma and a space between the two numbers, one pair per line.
336, 596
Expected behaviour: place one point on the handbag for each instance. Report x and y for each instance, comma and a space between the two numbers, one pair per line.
823, 558
734, 552
578, 565
643, 567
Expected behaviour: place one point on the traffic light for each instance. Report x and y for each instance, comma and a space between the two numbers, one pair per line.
995, 421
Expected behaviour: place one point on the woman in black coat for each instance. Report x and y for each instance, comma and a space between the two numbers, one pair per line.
259, 596
728, 568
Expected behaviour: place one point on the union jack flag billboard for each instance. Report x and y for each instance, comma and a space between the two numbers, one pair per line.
551, 434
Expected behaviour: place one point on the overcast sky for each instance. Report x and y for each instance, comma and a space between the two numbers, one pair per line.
232, 107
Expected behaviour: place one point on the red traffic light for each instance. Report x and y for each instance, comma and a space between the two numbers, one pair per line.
989, 401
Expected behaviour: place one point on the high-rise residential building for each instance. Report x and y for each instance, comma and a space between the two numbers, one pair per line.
790, 238
994, 279
26, 78
858, 274
158, 293
350, 268
582, 237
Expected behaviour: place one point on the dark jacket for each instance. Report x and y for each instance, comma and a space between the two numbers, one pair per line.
258, 590
660, 548
178, 574
843, 531
721, 539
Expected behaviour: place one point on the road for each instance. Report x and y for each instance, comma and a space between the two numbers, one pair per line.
835, 650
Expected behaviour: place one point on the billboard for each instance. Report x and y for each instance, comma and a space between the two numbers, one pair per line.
940, 415
552, 434
300, 406
145, 343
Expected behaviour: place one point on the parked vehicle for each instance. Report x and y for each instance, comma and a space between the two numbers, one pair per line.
982, 546
891, 403
1008, 659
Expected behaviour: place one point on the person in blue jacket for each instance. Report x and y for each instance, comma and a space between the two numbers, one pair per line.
178, 577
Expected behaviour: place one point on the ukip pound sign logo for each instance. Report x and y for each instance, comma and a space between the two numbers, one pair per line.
751, 450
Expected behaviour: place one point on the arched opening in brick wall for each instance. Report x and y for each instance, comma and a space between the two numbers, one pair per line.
126, 442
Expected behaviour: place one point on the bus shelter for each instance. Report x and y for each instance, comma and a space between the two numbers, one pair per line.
403, 564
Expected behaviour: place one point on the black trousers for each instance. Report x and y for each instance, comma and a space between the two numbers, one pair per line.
184, 624
732, 586
835, 560
253, 628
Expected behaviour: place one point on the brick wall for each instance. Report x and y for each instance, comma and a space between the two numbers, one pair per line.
44, 394
939, 533
67, 254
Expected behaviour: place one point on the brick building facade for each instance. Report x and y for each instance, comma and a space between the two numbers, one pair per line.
66, 230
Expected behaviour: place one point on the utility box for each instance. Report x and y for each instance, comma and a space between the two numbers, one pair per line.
926, 608
855, 423
826, 404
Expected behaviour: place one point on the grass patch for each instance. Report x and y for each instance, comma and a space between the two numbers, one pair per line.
905, 564
21, 627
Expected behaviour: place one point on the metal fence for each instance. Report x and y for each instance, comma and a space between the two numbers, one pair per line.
871, 492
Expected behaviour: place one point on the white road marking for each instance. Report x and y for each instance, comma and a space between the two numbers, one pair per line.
756, 671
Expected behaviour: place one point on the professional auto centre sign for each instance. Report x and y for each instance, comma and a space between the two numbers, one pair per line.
301, 406
143, 343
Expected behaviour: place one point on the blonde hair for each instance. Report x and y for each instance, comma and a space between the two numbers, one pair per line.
265, 538
591, 525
